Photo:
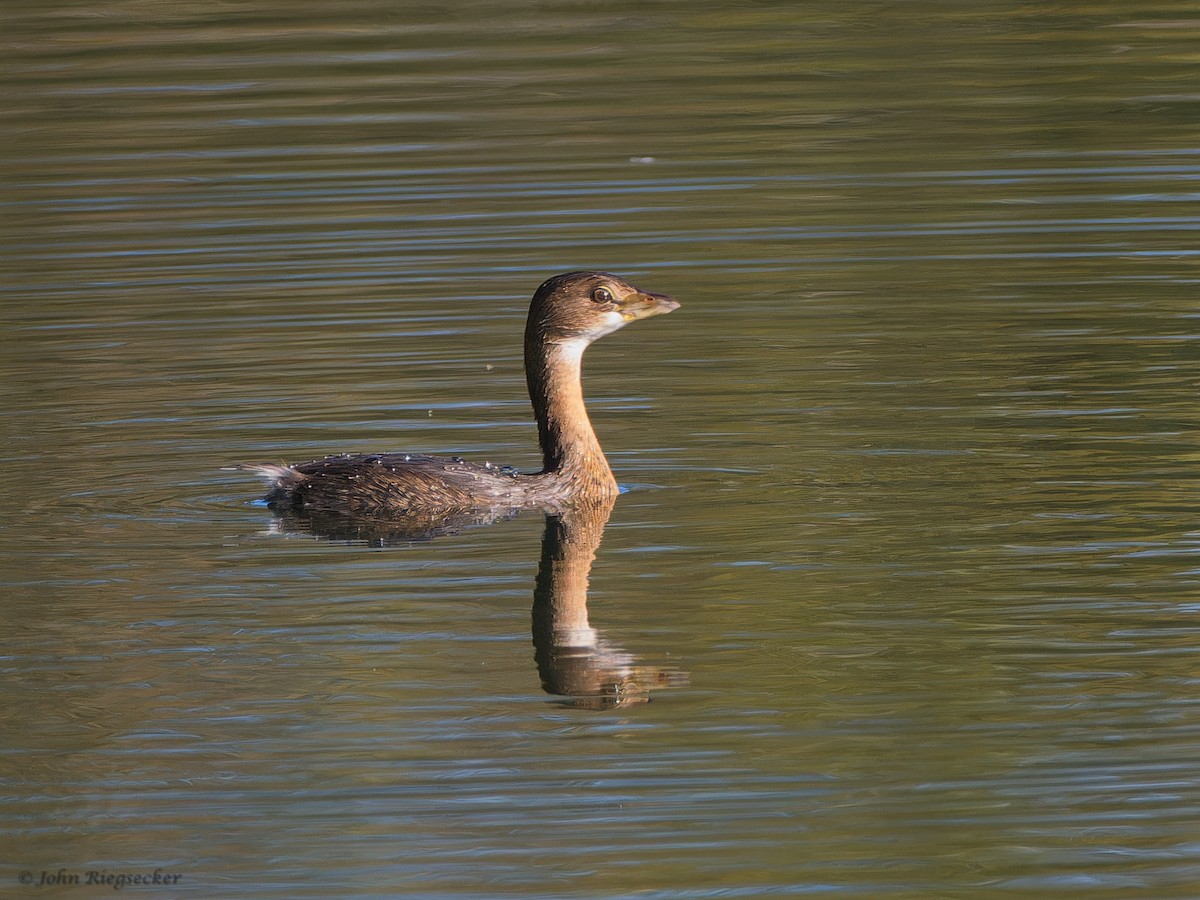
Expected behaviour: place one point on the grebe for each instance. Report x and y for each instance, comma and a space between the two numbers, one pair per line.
567, 313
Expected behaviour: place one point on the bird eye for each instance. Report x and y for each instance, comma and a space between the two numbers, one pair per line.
602, 295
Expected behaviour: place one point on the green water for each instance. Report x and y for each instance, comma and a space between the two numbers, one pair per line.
911, 511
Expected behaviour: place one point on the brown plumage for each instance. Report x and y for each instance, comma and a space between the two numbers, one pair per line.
567, 313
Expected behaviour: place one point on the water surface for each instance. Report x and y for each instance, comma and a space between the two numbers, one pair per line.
911, 509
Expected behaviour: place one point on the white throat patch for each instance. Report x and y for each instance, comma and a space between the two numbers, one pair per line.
573, 349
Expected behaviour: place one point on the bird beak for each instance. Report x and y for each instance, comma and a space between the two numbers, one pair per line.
645, 304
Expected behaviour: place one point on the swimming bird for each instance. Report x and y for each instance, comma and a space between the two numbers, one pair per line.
568, 312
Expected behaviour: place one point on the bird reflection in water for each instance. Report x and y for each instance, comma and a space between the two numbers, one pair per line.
574, 660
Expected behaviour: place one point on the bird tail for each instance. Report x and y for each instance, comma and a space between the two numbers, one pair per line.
279, 476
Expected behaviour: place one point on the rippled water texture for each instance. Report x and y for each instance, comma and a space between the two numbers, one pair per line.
909, 558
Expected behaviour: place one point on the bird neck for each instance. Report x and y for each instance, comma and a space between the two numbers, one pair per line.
570, 450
